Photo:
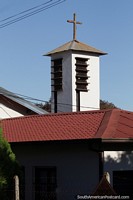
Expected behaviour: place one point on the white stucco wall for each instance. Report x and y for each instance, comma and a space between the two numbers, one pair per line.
88, 100
6, 112
66, 98
77, 167
117, 160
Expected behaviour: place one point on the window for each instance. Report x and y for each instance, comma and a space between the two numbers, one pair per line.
81, 74
56, 79
123, 182
81, 79
45, 183
57, 74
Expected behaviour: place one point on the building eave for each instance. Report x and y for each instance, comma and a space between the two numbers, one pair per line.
117, 140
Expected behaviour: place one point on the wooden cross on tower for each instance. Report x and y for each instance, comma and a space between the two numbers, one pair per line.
74, 25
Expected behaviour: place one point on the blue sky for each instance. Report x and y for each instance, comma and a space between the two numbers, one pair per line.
107, 25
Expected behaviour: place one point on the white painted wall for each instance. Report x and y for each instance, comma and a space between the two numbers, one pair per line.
66, 98
117, 160
6, 112
77, 167
88, 100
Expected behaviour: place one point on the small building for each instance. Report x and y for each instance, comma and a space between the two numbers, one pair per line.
12, 105
65, 155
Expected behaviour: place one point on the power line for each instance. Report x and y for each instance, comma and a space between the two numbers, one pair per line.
65, 104
24, 11
15, 95
32, 12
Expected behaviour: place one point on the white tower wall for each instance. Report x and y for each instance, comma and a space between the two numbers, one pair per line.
89, 100
66, 98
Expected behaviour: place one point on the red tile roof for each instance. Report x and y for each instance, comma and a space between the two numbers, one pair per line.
117, 125
69, 126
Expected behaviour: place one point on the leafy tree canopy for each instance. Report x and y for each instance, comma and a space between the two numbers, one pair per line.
106, 105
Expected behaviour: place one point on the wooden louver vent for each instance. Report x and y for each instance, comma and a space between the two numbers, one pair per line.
57, 74
81, 74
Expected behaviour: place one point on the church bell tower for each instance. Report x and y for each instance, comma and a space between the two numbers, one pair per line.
75, 84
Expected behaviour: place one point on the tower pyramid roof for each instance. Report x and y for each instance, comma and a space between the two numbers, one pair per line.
76, 45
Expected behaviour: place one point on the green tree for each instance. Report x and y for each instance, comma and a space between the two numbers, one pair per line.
8, 168
106, 105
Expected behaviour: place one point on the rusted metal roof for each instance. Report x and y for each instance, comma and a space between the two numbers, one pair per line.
75, 45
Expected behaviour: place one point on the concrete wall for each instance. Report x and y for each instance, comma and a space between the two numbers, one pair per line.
77, 167
66, 98
88, 100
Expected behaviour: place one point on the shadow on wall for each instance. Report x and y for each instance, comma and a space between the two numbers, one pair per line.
118, 160
119, 164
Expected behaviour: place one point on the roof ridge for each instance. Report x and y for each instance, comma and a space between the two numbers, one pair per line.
112, 122
104, 123
59, 114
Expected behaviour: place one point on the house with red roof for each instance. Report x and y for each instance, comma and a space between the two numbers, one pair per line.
64, 155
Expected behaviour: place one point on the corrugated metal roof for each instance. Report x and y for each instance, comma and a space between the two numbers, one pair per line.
75, 45
21, 101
